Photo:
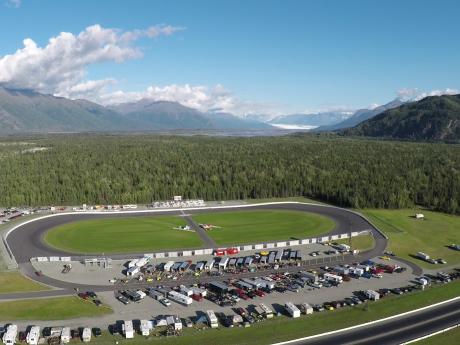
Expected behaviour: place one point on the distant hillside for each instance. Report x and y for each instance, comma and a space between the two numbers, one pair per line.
435, 118
28, 111
361, 115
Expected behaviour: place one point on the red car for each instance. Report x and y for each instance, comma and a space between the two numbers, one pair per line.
243, 296
259, 293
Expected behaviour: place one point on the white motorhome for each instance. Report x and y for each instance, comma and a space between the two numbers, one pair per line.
372, 295
167, 266
292, 310
423, 256
186, 290
33, 336
212, 319
333, 277
174, 321
9, 337
179, 298
128, 329
306, 308
65, 335
268, 312
132, 271
145, 328
86, 335
223, 263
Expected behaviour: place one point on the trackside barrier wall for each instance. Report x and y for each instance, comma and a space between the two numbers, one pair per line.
54, 258
66, 259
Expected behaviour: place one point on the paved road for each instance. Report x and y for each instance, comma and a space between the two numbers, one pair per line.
395, 331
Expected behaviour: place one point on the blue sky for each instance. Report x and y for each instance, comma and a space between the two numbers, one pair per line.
277, 56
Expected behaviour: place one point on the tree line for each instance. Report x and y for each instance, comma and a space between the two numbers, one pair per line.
118, 169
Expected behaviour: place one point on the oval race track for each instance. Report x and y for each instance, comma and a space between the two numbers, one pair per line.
26, 241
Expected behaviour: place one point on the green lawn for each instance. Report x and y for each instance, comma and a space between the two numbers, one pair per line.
409, 235
284, 328
362, 243
449, 337
262, 226
59, 308
122, 235
16, 282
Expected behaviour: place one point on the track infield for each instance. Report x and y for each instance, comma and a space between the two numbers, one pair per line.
243, 227
122, 235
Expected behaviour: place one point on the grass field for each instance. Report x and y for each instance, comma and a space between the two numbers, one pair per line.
15, 282
449, 337
284, 328
362, 243
122, 235
59, 308
409, 235
261, 226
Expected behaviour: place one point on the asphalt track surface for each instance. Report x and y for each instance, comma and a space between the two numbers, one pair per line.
27, 241
397, 330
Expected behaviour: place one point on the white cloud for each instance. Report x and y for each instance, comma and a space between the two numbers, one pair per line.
14, 3
60, 66
414, 94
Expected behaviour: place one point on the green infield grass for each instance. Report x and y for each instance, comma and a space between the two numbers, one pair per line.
261, 226
16, 282
361, 243
122, 235
409, 235
284, 328
59, 308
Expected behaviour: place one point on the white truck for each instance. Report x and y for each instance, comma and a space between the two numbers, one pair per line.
292, 310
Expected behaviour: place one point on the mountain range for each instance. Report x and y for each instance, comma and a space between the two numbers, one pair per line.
360, 116
30, 111
434, 118
311, 120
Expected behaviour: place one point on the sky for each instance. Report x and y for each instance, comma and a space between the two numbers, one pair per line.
241, 56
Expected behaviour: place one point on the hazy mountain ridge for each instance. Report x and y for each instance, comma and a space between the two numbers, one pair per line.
434, 118
360, 116
29, 111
